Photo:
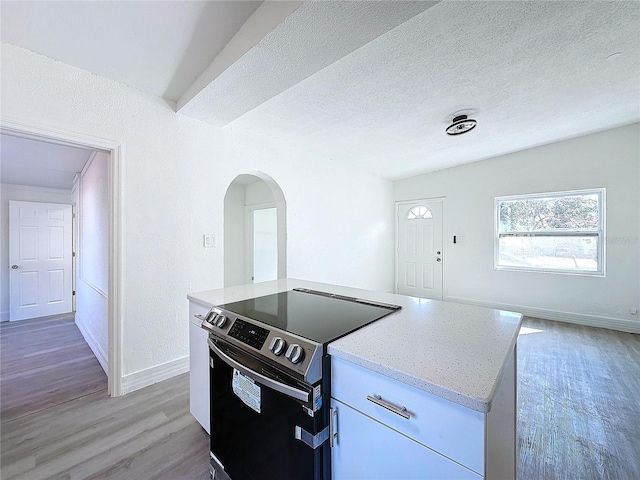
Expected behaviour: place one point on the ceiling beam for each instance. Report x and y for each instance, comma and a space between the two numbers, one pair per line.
266, 18
281, 45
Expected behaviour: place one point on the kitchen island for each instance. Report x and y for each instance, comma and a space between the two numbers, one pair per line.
426, 392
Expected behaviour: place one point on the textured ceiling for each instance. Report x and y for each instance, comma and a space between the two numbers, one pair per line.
369, 83
32, 162
534, 72
311, 38
157, 46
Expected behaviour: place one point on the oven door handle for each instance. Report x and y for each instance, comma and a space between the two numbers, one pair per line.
258, 377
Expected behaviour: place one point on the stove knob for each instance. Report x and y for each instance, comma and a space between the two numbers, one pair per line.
277, 346
295, 353
221, 321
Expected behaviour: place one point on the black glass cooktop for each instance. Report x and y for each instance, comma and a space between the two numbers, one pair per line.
318, 316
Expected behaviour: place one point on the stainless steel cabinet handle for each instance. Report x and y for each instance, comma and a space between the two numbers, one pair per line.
402, 411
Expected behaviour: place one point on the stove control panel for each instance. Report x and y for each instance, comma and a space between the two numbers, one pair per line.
295, 354
277, 346
212, 319
220, 321
252, 335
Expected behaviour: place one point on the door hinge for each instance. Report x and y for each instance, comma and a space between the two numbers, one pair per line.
73, 254
73, 293
73, 215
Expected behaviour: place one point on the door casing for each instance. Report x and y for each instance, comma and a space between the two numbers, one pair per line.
116, 288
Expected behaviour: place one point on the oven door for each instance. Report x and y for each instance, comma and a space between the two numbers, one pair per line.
255, 412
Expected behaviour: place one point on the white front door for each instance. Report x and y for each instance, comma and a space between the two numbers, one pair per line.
40, 278
419, 252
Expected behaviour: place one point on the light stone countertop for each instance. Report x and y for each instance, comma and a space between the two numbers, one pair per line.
452, 350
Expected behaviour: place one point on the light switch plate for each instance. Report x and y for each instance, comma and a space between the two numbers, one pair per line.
208, 240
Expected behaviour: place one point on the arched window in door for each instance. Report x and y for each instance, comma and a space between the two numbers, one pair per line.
419, 211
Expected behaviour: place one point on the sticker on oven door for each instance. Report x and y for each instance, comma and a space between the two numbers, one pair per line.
246, 390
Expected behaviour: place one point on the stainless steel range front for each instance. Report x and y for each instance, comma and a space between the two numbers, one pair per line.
270, 382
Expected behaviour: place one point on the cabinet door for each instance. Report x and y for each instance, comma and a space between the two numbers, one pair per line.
450, 429
367, 450
198, 368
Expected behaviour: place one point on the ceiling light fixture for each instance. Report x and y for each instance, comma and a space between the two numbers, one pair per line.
461, 124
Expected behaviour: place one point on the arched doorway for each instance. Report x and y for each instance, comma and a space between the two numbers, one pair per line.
255, 234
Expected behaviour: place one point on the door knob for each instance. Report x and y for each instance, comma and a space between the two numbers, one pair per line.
15, 267
438, 259
438, 252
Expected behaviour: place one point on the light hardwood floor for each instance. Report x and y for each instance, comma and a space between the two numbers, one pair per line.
58, 422
578, 409
578, 402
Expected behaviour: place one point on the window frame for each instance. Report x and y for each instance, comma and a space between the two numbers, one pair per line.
599, 234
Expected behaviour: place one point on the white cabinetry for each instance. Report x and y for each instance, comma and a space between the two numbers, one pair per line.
198, 366
369, 450
439, 440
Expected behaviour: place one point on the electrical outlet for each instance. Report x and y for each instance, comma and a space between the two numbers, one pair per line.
208, 240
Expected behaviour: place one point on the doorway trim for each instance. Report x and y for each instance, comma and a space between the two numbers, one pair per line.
115, 148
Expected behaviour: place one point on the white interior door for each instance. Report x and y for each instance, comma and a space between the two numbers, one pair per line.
419, 252
262, 247
40, 278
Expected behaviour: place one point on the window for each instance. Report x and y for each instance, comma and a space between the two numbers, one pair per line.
553, 232
419, 212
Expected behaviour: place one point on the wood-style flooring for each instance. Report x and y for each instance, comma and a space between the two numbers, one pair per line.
45, 362
57, 421
578, 409
578, 402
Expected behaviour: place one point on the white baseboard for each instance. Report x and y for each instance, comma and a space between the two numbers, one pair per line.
149, 376
95, 347
577, 318
4, 316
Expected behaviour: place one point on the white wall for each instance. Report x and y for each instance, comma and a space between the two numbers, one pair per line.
94, 223
257, 193
234, 226
176, 171
28, 194
92, 256
609, 159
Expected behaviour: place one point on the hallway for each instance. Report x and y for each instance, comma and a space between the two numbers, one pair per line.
45, 362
